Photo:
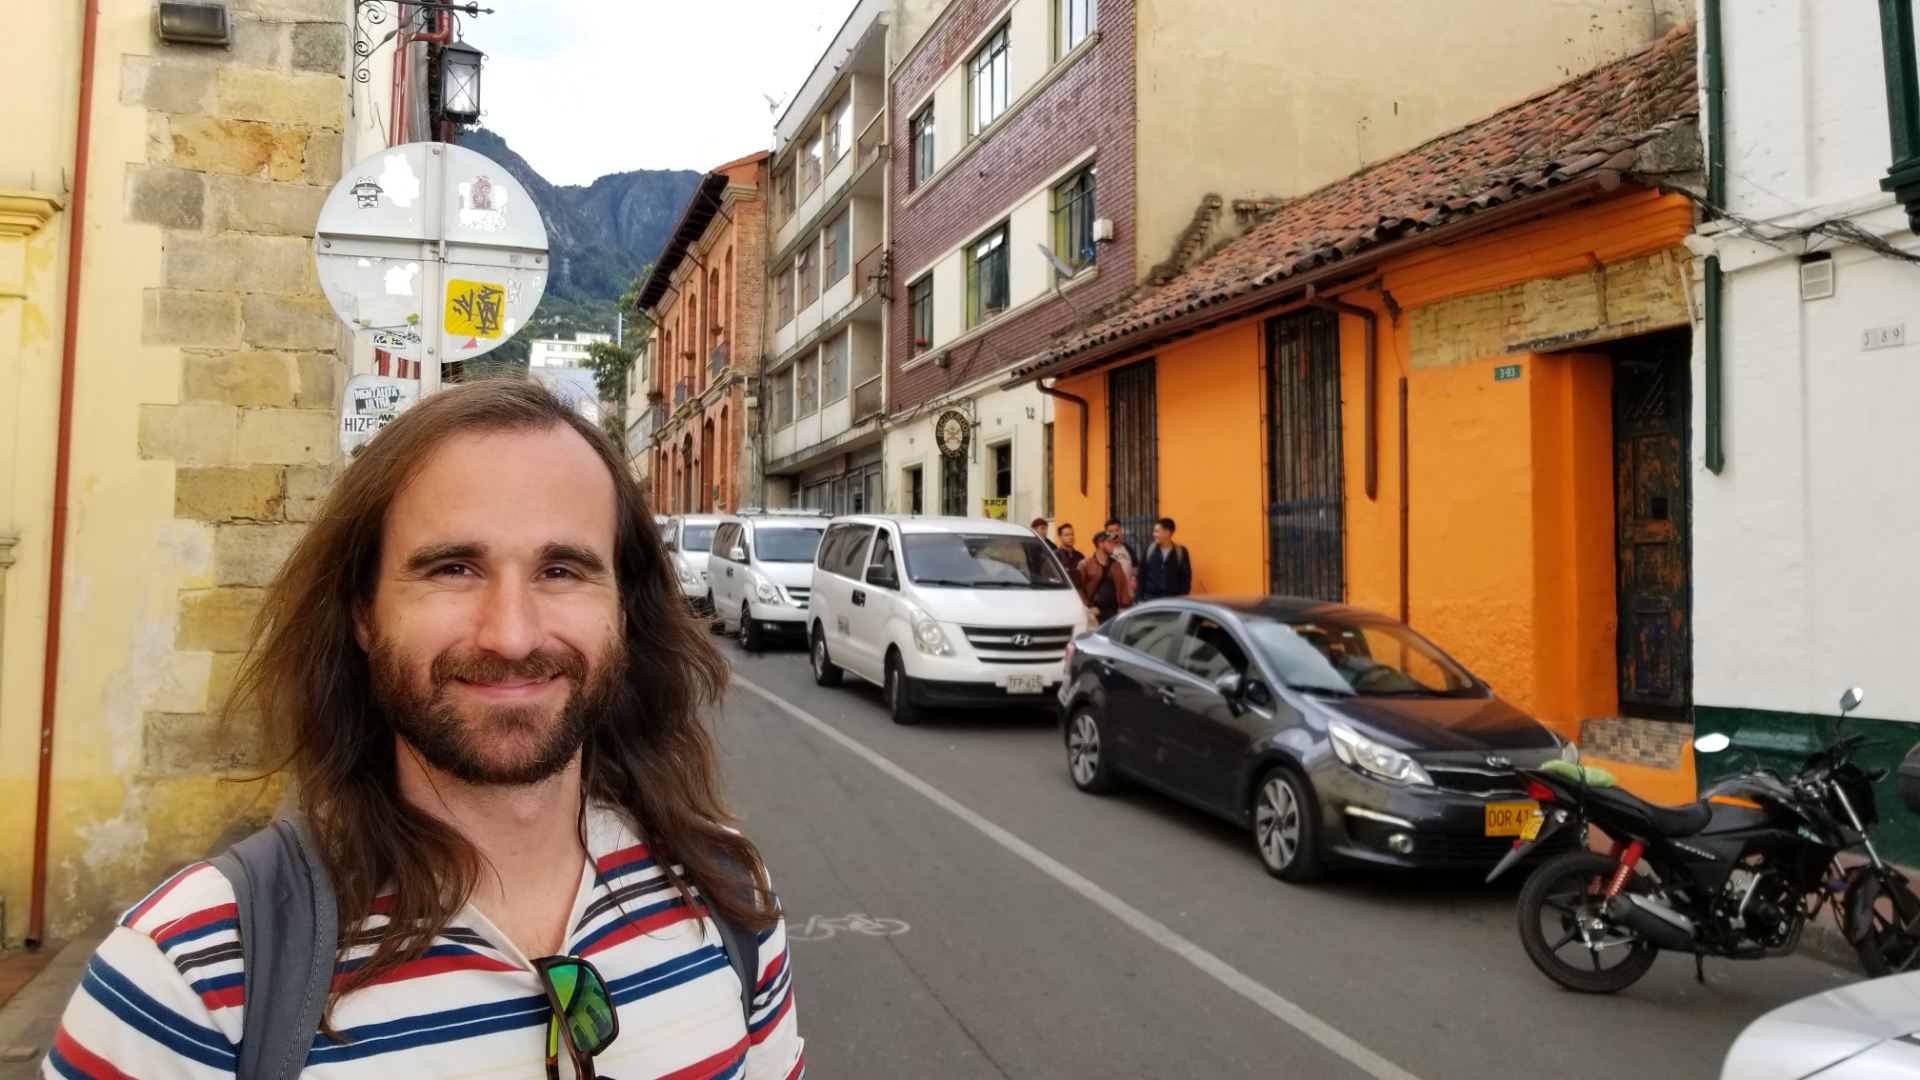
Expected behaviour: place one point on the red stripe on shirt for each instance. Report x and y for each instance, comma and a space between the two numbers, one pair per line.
786, 1003
224, 998
159, 894
633, 928
713, 1066
84, 1059
799, 1066
620, 858
426, 966
773, 972
194, 920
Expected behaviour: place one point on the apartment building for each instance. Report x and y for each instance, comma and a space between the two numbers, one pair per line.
821, 398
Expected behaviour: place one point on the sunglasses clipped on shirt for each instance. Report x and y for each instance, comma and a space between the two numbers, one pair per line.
583, 1022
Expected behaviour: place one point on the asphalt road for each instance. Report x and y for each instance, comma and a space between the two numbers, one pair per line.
1015, 927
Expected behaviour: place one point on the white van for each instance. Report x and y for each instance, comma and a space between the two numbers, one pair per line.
946, 612
689, 537
761, 571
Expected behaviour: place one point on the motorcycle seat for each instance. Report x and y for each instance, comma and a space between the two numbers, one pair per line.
1668, 821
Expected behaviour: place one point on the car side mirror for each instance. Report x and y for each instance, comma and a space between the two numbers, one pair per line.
738, 554
1851, 700
1255, 692
883, 578
1230, 685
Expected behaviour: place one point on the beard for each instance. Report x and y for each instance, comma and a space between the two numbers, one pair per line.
510, 746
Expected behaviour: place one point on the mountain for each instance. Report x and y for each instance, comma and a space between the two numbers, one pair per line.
600, 236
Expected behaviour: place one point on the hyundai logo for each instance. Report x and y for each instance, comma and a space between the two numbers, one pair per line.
1022, 640
1495, 761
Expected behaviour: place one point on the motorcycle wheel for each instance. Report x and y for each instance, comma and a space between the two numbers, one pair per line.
1874, 925
1566, 932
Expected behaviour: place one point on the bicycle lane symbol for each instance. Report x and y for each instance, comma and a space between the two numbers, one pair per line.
820, 929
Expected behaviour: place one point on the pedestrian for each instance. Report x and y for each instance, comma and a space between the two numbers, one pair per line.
1070, 556
1103, 581
1166, 570
1123, 549
1039, 528
489, 698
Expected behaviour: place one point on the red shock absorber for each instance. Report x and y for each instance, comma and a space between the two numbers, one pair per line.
1628, 859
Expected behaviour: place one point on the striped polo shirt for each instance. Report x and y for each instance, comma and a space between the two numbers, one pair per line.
162, 998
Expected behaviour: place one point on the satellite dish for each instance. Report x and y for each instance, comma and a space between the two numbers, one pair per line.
433, 253
1059, 265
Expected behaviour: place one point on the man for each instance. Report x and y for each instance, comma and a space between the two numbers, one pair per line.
1070, 557
1166, 571
477, 669
1039, 527
1123, 551
1104, 587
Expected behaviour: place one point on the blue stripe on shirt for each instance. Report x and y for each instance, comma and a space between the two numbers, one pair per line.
138, 1010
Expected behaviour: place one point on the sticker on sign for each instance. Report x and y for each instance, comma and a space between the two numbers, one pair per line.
369, 403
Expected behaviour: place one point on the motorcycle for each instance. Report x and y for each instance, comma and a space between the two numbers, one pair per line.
1735, 875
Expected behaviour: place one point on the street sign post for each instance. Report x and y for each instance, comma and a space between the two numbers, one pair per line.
433, 253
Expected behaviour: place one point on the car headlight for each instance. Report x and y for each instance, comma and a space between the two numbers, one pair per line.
1375, 759
687, 576
1570, 753
928, 637
764, 589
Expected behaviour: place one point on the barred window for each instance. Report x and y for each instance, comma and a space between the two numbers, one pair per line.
988, 80
809, 275
839, 129
1075, 23
810, 164
920, 305
834, 242
1073, 213
921, 136
780, 405
987, 277
783, 294
806, 385
833, 369
783, 195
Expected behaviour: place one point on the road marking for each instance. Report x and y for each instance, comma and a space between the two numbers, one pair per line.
1226, 974
819, 929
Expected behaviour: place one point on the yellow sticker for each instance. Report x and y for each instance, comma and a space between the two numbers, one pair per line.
475, 308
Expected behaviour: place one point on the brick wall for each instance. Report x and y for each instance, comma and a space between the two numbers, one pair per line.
1090, 104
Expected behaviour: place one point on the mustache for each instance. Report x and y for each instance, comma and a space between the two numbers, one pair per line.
484, 667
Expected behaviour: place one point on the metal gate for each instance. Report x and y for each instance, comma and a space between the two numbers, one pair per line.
1133, 450
1306, 520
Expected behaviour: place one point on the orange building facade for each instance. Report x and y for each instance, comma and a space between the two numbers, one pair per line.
1523, 438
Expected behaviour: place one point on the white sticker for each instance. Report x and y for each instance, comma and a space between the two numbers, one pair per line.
482, 205
397, 181
400, 279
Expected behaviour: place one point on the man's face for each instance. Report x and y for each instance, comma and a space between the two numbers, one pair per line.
1161, 534
1114, 529
495, 634
1066, 536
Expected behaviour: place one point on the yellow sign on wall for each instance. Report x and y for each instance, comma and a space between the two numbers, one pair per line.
475, 308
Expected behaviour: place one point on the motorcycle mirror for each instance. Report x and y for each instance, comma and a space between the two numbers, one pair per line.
1712, 744
1851, 700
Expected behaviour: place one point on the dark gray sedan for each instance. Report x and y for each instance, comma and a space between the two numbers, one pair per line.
1334, 733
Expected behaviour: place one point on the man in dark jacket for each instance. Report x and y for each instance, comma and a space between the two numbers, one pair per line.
1070, 556
1166, 569
1103, 583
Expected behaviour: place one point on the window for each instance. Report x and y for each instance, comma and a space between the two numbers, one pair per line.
976, 559
1003, 471
881, 558
1046, 469
839, 129
916, 490
810, 160
953, 486
806, 384
726, 540
1073, 219
920, 308
987, 277
833, 369
987, 81
834, 243
1076, 22
843, 549
783, 294
1151, 632
920, 135
780, 404
808, 275
1208, 650
783, 194
788, 545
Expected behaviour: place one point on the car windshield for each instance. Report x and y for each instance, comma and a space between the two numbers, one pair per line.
982, 561
787, 545
697, 537
1364, 657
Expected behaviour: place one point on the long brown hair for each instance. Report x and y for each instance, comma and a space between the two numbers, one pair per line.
310, 684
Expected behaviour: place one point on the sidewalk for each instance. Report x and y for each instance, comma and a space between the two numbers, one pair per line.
29, 1017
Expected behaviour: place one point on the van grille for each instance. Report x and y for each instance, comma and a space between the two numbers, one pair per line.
798, 594
1019, 644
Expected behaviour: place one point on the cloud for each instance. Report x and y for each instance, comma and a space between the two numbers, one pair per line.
582, 88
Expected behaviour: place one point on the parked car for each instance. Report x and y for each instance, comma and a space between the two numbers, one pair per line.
689, 538
947, 612
1334, 733
760, 572
1852, 1033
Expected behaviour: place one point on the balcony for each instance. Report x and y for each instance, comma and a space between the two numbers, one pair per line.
867, 400
872, 271
871, 141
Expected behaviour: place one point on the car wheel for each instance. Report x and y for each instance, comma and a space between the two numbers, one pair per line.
1286, 828
899, 692
717, 624
824, 671
1087, 760
752, 637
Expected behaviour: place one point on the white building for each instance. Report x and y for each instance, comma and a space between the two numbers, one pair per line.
562, 352
1806, 499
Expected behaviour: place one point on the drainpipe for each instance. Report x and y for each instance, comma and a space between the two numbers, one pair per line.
62, 470
1903, 105
1082, 402
1716, 201
1314, 299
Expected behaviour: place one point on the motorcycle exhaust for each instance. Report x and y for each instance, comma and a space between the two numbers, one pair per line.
1653, 921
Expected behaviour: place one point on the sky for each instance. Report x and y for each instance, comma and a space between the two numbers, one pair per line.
582, 88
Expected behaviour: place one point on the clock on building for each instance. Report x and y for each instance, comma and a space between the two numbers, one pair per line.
951, 433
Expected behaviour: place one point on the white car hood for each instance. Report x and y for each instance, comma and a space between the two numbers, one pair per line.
1844, 1031
695, 560
1011, 608
792, 575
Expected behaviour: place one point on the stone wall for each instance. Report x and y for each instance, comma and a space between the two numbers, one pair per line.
242, 148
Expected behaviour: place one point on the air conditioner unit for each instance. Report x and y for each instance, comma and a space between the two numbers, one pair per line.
1816, 276
1103, 230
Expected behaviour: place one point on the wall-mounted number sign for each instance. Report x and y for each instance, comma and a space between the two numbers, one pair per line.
1506, 372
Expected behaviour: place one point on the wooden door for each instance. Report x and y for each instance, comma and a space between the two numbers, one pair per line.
1651, 515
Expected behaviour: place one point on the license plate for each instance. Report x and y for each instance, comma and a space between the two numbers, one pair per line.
1026, 684
1520, 819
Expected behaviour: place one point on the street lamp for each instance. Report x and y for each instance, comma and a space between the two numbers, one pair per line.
460, 83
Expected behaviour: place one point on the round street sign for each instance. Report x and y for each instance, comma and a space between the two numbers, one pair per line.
432, 252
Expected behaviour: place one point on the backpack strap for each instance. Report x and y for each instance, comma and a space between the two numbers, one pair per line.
289, 935
743, 953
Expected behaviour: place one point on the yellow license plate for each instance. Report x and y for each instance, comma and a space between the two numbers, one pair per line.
1521, 819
